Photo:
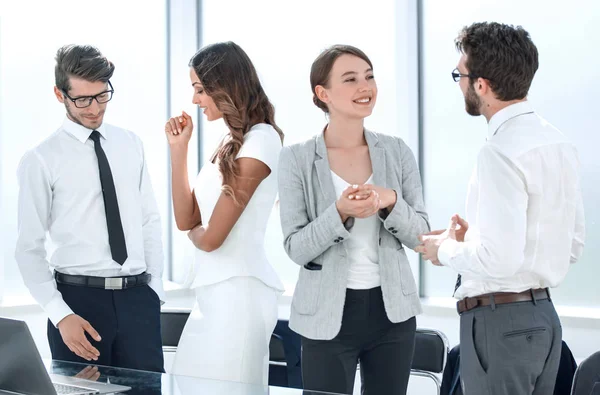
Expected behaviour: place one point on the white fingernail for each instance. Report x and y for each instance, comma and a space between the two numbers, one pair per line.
354, 186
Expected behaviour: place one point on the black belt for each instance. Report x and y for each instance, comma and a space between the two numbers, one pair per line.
114, 283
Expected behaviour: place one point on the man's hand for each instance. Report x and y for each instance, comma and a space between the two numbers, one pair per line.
72, 328
432, 241
89, 373
461, 229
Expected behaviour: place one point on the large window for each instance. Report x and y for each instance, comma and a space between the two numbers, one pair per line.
564, 92
30, 34
283, 40
151, 50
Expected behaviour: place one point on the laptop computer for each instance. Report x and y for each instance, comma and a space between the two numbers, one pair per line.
22, 369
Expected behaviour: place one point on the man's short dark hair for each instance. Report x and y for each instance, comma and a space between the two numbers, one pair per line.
81, 61
502, 54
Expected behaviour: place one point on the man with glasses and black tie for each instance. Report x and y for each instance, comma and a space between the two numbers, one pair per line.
87, 186
525, 222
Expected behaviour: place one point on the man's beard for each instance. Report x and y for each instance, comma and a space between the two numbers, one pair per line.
80, 120
472, 102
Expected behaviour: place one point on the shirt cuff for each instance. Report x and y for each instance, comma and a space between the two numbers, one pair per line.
447, 251
57, 309
157, 286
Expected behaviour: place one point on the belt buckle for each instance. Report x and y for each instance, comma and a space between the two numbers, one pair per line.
113, 283
471, 303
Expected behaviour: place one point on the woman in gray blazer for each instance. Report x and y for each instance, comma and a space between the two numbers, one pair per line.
351, 200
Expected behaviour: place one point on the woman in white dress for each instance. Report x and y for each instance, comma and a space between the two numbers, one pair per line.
227, 335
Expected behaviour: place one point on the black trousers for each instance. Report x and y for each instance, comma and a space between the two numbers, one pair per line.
128, 321
383, 349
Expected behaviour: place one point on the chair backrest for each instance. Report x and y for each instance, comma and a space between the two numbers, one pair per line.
587, 376
429, 358
276, 349
172, 322
431, 351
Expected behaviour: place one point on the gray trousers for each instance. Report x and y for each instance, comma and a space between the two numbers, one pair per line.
510, 349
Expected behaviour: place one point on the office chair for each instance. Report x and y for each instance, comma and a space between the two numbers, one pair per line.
431, 352
587, 376
172, 321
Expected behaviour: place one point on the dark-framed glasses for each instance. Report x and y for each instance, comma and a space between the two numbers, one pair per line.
457, 75
86, 101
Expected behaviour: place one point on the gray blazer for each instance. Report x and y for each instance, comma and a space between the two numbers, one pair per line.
314, 233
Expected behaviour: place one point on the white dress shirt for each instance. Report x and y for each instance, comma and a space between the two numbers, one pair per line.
524, 208
362, 247
242, 254
60, 194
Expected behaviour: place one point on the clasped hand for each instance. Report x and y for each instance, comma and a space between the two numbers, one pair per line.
362, 201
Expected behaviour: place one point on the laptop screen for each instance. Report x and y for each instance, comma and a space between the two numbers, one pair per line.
21, 366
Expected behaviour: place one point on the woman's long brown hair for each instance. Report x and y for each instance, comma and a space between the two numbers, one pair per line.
230, 79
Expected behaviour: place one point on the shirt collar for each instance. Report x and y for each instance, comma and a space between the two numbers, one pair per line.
514, 110
80, 132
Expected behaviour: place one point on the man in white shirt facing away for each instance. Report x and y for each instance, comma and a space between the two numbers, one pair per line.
87, 187
525, 222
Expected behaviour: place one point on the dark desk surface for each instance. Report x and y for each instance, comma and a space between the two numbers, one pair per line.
151, 383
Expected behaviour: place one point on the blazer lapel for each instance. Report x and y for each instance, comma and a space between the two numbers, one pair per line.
378, 160
324, 172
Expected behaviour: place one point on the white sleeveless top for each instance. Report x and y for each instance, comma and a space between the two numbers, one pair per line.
242, 253
362, 247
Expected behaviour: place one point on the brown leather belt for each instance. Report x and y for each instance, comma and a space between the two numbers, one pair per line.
467, 304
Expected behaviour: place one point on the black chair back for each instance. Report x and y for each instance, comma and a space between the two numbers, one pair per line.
431, 350
172, 322
587, 376
429, 358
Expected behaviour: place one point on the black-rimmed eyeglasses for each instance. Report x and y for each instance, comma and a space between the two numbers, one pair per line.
86, 101
457, 75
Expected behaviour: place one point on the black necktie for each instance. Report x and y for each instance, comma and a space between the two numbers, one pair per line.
458, 279
116, 237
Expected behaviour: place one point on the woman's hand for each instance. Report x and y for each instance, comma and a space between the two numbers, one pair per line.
364, 207
179, 130
386, 195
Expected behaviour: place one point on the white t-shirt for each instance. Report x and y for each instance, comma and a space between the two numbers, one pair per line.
362, 247
243, 252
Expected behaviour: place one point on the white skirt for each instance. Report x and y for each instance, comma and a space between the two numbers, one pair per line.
227, 334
